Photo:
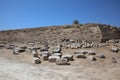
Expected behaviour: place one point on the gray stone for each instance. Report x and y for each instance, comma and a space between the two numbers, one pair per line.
10, 46
114, 49
57, 54
16, 50
45, 53
100, 55
81, 52
36, 60
62, 62
34, 53
75, 45
92, 58
44, 48
45, 57
53, 58
56, 49
80, 55
68, 57
91, 52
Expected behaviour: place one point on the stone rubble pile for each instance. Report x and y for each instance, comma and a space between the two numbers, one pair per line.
54, 54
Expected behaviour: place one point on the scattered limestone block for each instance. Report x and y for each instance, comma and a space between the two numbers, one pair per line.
53, 58
91, 52
56, 49
100, 55
80, 55
57, 54
82, 51
92, 58
36, 60
114, 49
68, 57
61, 62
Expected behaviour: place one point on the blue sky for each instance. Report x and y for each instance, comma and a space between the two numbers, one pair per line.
16, 14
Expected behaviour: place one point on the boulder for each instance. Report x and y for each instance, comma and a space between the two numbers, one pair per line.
81, 52
57, 54
91, 52
44, 48
45, 57
31, 44
100, 55
16, 50
75, 45
114, 49
56, 49
22, 49
92, 58
68, 57
61, 62
80, 55
53, 58
10, 46
2, 45
34, 53
36, 60
45, 53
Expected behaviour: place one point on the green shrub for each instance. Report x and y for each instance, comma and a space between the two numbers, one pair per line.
75, 22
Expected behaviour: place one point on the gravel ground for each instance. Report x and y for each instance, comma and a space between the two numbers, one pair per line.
20, 68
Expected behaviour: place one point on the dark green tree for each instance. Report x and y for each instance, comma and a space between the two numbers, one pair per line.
75, 22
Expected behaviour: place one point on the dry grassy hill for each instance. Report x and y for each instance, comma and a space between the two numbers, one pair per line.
89, 32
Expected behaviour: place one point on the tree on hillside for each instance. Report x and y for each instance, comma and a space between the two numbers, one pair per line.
75, 22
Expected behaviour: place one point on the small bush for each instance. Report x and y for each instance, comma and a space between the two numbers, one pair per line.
75, 22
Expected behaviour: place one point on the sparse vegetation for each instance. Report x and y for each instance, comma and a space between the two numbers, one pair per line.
75, 22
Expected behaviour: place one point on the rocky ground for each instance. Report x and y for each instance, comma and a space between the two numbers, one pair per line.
20, 67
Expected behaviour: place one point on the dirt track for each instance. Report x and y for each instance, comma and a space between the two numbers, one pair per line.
21, 68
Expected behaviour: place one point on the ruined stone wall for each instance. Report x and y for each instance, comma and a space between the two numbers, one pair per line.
59, 33
109, 33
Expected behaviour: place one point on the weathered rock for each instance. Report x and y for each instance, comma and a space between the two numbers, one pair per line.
36, 60
114, 49
45, 57
91, 52
10, 46
92, 58
72, 41
45, 53
80, 55
44, 48
100, 55
62, 62
34, 53
53, 58
68, 57
75, 45
16, 51
56, 49
102, 44
22, 49
82, 51
2, 45
57, 54
31, 44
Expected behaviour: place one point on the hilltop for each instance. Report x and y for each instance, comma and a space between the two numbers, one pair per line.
88, 32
